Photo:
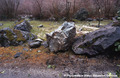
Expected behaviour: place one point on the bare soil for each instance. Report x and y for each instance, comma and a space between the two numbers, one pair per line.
45, 64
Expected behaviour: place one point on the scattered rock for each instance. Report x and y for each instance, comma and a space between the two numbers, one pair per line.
89, 19
35, 43
23, 26
38, 39
1, 24
45, 44
9, 37
17, 55
62, 38
30, 49
80, 29
40, 26
39, 51
51, 19
101, 19
116, 22
98, 41
25, 49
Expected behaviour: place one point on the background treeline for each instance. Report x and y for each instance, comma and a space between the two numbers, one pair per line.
57, 9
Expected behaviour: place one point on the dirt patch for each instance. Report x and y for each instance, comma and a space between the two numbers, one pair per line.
45, 64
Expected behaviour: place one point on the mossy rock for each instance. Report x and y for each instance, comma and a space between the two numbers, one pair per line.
19, 35
10, 35
18, 22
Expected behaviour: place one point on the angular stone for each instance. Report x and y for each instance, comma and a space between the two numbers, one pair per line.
17, 55
35, 43
23, 26
62, 38
98, 41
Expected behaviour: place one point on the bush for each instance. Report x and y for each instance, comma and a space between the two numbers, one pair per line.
8, 8
82, 14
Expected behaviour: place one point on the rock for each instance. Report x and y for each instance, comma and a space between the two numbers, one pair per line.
101, 19
89, 19
9, 37
45, 44
116, 22
81, 15
39, 51
25, 49
40, 40
17, 55
28, 36
40, 26
51, 19
23, 26
98, 41
62, 38
35, 43
80, 29
30, 49
1, 24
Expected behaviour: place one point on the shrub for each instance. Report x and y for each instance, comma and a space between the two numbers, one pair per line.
82, 14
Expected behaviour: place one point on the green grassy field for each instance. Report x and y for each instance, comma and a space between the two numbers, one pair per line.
50, 26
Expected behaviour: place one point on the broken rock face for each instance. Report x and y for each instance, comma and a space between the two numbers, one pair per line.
98, 41
62, 38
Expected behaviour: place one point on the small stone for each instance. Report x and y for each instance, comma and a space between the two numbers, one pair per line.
1, 24
39, 51
40, 26
25, 49
40, 40
17, 55
30, 49
34, 44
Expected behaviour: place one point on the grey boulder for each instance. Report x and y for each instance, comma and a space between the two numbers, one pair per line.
9, 37
98, 41
23, 26
62, 38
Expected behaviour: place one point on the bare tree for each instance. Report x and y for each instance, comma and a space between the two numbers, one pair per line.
9, 8
98, 8
37, 8
68, 7
117, 4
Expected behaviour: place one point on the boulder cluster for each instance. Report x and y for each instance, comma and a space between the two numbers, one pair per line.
93, 43
17, 36
63, 38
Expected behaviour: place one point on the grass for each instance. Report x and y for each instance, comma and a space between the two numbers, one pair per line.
50, 26
7, 24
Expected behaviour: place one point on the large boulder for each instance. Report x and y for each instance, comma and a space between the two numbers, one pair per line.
82, 14
9, 37
23, 26
98, 41
62, 38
